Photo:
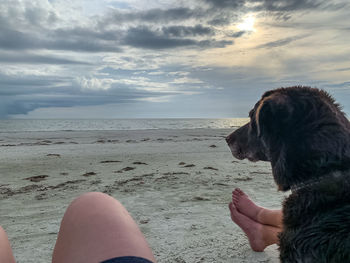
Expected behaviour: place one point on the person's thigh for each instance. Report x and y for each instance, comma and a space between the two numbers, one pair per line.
6, 254
95, 228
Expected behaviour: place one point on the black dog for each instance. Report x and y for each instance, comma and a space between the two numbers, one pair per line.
306, 137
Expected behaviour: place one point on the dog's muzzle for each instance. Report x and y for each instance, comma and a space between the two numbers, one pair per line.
236, 150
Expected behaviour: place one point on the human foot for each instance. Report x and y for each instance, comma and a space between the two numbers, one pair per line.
251, 228
244, 205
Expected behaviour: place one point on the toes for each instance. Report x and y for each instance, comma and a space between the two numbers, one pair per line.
240, 192
232, 207
235, 192
235, 200
236, 196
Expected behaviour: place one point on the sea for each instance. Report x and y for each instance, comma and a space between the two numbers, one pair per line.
33, 125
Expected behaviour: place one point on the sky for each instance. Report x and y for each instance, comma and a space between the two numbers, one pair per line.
166, 58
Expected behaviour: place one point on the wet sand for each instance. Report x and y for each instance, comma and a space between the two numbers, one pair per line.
175, 183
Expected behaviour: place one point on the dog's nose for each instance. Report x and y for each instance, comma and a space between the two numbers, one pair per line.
228, 138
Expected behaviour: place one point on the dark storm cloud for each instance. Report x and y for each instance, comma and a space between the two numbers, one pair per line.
81, 33
202, 13
221, 20
182, 31
37, 59
82, 45
15, 40
234, 4
266, 5
104, 37
17, 85
286, 5
216, 12
92, 40
22, 95
61, 40
28, 26
143, 37
155, 15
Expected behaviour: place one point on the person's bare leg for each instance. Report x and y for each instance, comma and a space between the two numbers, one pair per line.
96, 227
6, 255
257, 213
260, 236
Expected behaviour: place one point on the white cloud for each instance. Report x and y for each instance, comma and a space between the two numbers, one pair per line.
186, 80
94, 83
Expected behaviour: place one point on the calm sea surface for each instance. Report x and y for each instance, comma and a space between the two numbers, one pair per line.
116, 124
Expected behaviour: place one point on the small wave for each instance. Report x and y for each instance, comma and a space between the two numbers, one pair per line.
117, 124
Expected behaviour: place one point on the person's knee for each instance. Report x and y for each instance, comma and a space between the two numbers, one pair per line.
94, 197
92, 203
98, 220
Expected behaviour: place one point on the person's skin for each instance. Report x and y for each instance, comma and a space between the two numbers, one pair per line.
95, 227
6, 255
261, 225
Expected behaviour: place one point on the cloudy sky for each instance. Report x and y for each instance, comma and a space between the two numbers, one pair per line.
166, 58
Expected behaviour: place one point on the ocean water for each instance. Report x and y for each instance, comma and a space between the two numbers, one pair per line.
17, 125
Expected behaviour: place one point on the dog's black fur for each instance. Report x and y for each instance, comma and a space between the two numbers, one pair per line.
306, 137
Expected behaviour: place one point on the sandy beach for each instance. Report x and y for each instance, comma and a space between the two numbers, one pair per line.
175, 183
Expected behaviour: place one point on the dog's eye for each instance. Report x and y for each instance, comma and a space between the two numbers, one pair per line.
252, 128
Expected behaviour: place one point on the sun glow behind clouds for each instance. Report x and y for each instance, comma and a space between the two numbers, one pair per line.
247, 23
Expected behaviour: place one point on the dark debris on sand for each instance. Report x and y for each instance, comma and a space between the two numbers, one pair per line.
176, 173
125, 169
139, 163
211, 168
89, 174
37, 178
242, 179
8, 192
200, 198
127, 185
53, 155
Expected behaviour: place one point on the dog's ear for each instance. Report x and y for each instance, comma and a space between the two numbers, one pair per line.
272, 115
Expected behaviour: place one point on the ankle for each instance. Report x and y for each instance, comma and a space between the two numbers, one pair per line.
257, 240
259, 214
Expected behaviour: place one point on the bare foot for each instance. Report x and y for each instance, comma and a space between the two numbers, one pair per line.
244, 205
252, 229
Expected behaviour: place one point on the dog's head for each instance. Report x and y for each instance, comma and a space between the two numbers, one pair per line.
300, 130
